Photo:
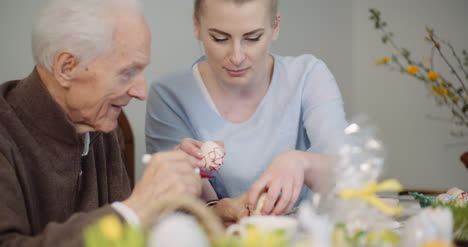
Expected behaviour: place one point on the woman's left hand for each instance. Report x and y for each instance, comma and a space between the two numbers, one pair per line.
282, 182
231, 210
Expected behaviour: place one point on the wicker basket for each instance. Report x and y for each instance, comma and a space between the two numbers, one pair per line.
207, 219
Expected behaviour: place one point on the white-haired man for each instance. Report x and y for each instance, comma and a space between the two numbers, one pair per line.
60, 166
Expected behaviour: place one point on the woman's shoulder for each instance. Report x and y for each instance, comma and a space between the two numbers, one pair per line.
304, 60
177, 79
295, 67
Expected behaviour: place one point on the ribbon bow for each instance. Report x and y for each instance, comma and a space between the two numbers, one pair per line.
367, 193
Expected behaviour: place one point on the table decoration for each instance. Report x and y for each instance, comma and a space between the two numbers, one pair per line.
346, 212
456, 201
444, 73
450, 91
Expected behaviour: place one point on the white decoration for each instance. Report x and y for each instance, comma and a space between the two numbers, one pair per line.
177, 230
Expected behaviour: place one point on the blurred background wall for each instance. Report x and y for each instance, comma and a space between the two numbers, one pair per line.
421, 153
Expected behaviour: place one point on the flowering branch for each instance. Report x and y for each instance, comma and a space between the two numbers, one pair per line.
454, 95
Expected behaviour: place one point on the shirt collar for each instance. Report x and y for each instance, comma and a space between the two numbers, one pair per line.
33, 104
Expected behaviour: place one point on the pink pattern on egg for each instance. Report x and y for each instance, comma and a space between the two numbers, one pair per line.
216, 156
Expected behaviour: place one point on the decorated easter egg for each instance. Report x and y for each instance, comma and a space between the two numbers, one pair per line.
213, 155
260, 204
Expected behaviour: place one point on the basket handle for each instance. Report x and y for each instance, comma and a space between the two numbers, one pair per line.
209, 220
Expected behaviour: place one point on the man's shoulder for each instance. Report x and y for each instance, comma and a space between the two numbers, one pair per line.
8, 116
6, 120
5, 90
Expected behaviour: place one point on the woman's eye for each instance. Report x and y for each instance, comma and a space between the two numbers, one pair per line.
218, 39
255, 38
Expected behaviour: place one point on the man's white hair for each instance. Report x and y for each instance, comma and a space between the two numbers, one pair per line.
84, 27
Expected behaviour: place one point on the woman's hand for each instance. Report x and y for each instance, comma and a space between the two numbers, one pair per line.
193, 147
282, 182
283, 179
231, 210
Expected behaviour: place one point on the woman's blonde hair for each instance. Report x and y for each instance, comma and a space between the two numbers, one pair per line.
198, 7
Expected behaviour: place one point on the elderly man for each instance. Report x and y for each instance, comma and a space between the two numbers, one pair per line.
60, 166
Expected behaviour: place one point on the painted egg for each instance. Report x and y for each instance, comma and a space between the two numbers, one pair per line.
213, 155
260, 204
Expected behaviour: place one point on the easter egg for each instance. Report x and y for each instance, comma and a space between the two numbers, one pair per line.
213, 155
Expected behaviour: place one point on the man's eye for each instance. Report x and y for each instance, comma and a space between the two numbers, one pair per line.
218, 39
127, 75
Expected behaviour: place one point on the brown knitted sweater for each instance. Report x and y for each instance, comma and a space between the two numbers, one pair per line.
42, 200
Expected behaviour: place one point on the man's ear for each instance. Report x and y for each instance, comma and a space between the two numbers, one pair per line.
276, 26
65, 67
196, 27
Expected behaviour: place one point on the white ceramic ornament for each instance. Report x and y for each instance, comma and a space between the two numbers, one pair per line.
213, 155
177, 230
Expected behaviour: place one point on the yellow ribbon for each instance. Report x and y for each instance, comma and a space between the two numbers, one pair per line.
367, 193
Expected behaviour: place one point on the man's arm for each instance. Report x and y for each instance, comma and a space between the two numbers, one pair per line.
17, 217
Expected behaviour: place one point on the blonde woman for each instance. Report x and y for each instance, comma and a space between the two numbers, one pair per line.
278, 117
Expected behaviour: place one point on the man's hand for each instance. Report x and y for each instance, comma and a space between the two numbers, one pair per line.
167, 173
282, 182
231, 210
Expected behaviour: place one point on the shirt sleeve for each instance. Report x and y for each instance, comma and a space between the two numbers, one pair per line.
127, 213
166, 124
16, 227
323, 113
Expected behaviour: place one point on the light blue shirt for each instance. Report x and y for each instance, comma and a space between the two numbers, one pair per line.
302, 110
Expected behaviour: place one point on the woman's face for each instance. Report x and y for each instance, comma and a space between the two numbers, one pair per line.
237, 39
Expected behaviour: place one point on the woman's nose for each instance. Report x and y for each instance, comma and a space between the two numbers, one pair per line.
237, 56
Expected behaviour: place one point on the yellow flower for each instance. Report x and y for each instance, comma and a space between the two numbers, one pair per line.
111, 227
432, 75
412, 69
253, 236
444, 91
437, 243
385, 60
442, 82
440, 91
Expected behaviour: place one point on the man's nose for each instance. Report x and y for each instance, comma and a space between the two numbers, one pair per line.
139, 89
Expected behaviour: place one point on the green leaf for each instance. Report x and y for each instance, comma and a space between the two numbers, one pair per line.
405, 53
384, 39
465, 108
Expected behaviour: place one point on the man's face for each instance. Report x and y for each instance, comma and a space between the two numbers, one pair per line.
103, 87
